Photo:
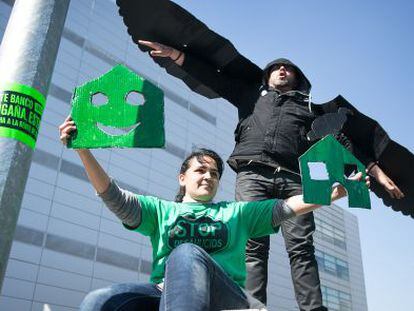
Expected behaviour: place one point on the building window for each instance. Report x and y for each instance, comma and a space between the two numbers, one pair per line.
336, 300
332, 265
329, 233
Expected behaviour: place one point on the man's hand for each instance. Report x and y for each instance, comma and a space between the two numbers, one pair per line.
386, 182
161, 50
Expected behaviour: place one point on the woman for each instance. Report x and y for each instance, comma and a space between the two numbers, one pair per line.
198, 246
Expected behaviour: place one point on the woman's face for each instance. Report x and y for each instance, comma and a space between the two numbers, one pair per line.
200, 180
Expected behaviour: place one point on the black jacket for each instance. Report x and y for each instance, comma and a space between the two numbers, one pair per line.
272, 126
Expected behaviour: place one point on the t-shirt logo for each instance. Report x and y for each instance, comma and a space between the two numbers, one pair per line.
205, 232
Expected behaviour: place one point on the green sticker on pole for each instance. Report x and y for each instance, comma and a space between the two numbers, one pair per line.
118, 109
21, 109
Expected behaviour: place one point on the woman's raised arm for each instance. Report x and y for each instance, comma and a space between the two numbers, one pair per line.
96, 174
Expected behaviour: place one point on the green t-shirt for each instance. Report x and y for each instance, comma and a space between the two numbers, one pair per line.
222, 229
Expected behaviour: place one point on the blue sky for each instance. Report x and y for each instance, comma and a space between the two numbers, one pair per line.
364, 51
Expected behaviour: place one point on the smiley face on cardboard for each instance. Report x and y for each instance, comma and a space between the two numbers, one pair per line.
140, 125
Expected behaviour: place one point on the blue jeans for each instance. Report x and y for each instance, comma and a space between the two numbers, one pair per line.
193, 281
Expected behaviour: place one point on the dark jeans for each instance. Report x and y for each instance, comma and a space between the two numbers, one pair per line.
257, 182
193, 281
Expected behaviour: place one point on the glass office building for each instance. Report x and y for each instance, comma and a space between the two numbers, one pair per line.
67, 244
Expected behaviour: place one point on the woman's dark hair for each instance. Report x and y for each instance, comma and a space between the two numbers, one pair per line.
199, 154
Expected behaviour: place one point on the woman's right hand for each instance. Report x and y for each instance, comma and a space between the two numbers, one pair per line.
66, 129
96, 174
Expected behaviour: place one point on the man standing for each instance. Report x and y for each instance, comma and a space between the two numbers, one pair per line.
268, 143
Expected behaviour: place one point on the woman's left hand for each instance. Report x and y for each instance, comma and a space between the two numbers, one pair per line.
340, 191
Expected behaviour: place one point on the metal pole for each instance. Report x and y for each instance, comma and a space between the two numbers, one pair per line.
27, 56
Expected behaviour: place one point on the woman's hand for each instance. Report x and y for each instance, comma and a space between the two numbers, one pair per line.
161, 50
339, 191
97, 176
66, 129
297, 204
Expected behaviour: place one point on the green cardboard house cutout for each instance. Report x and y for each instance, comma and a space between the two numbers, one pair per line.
117, 121
330, 152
